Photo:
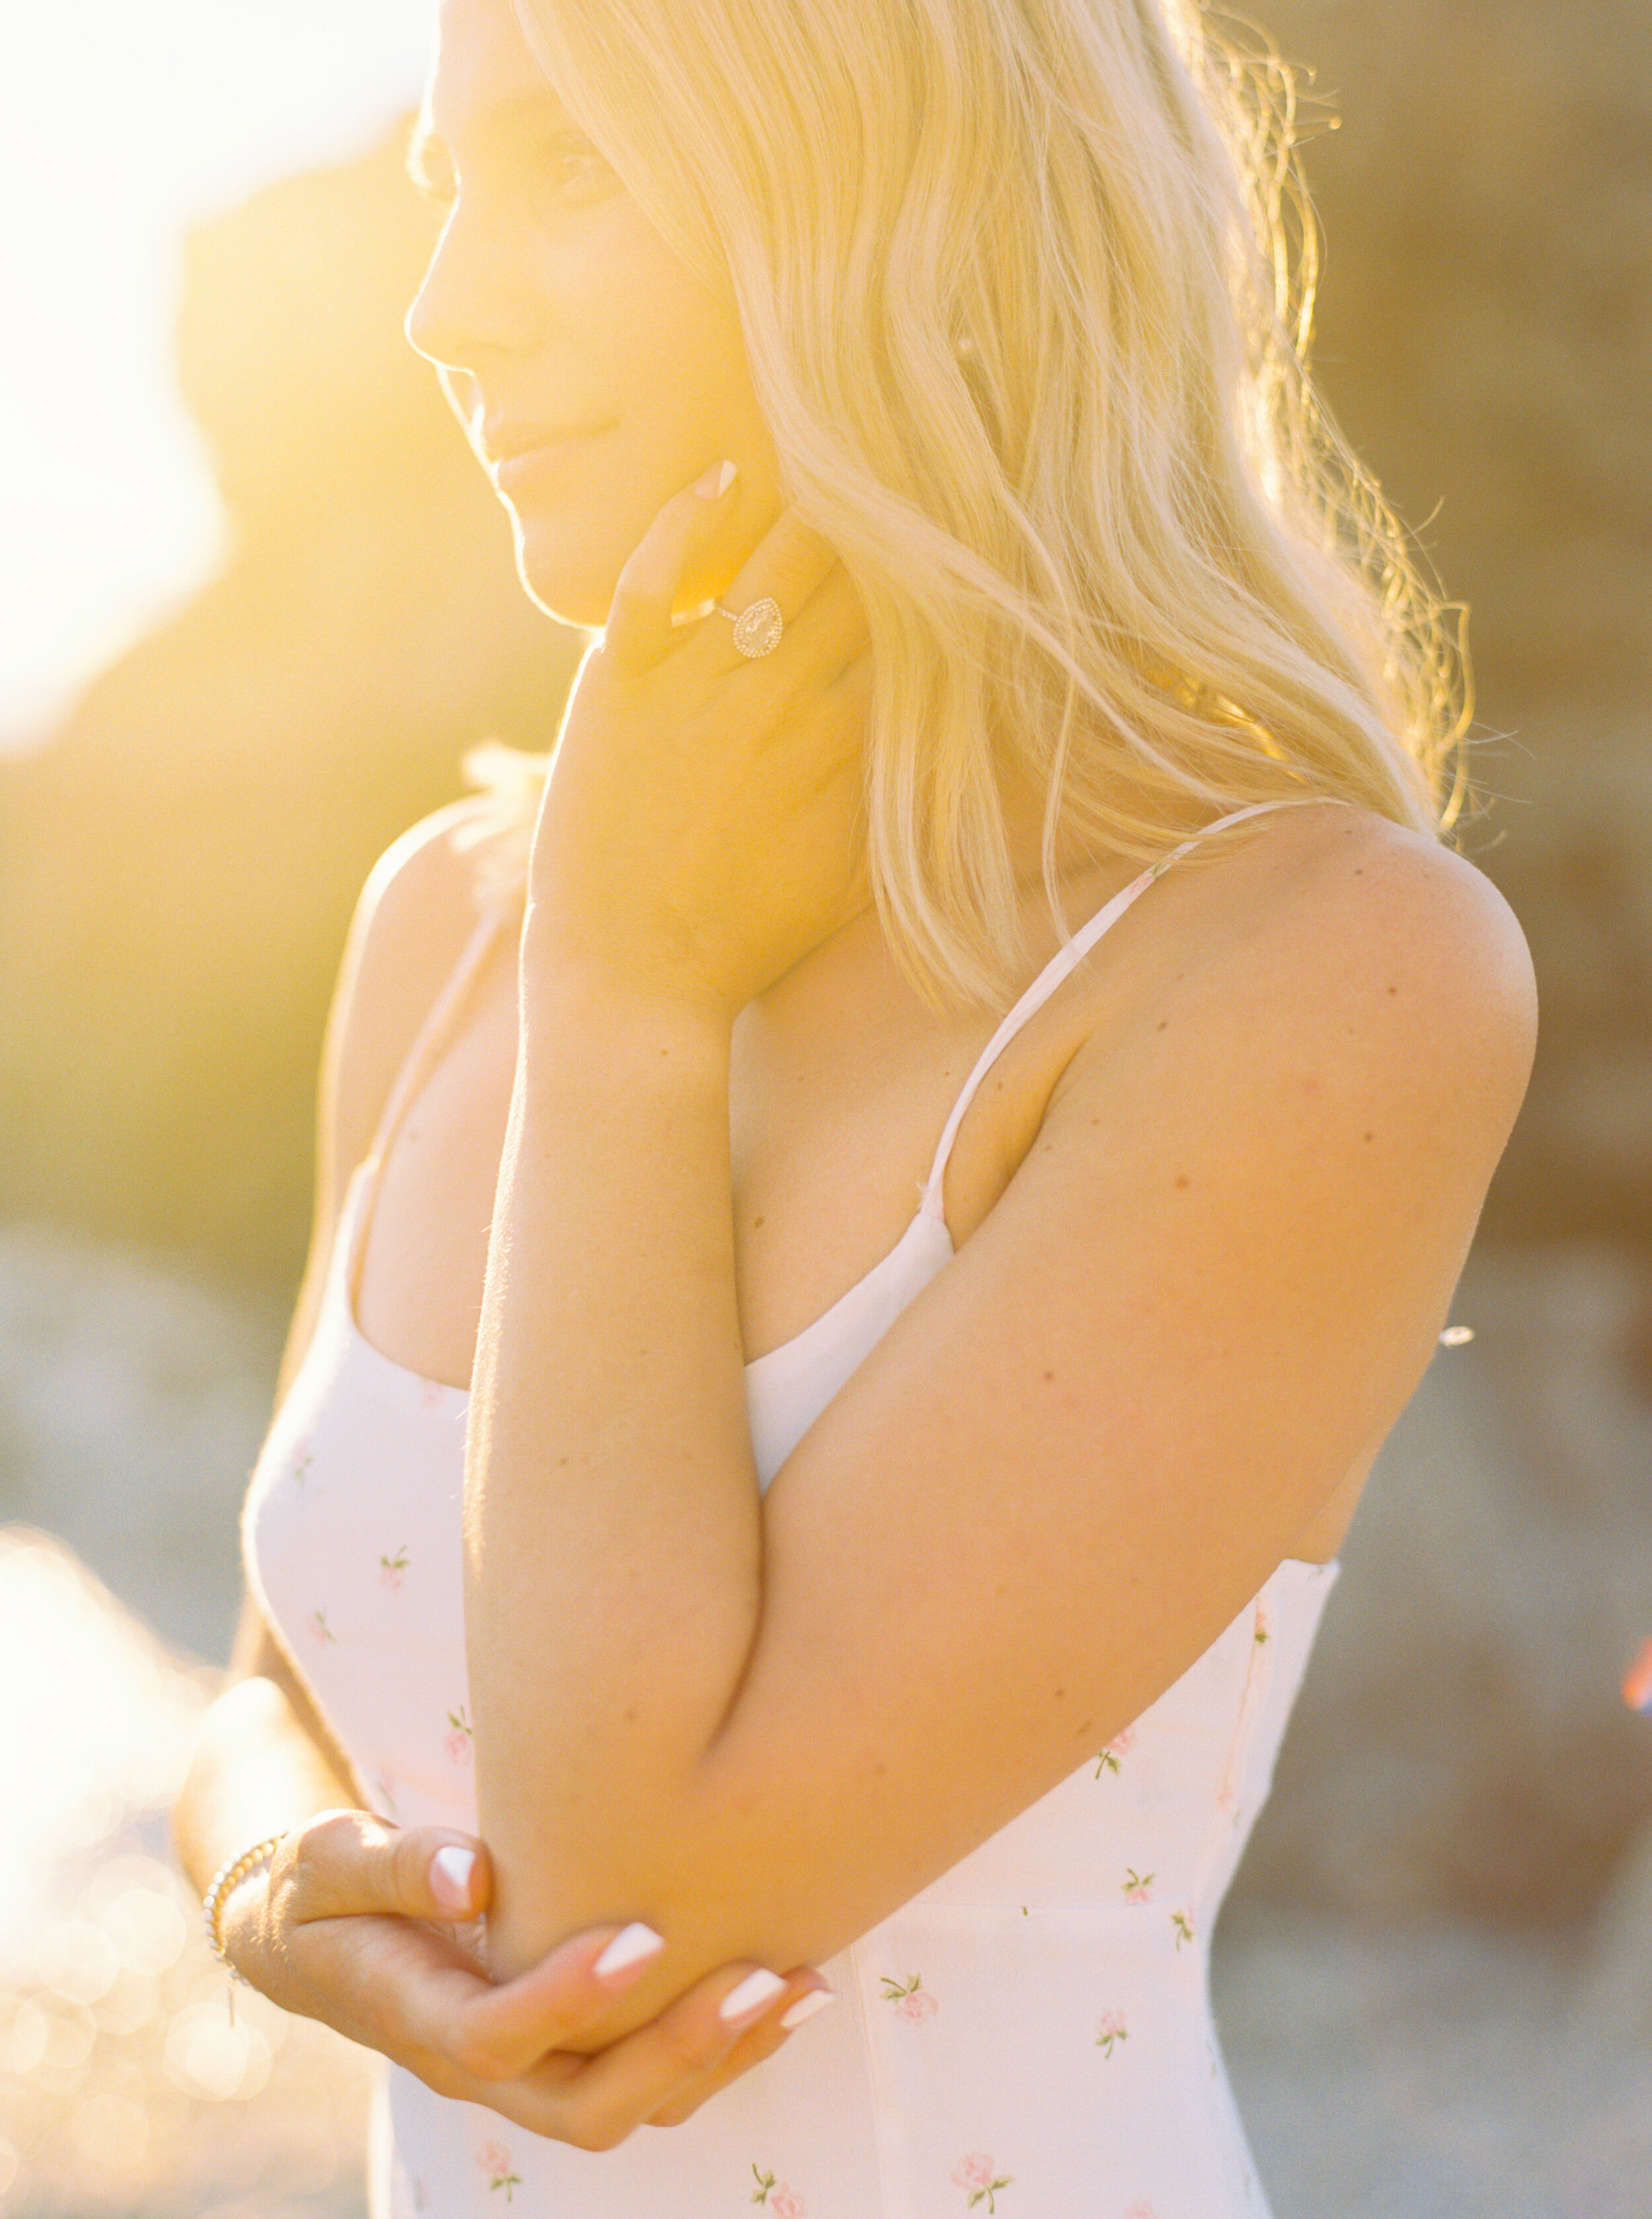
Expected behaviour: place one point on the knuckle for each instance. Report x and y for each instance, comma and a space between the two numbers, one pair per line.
598, 2131
690, 2046
306, 1847
305, 1866
408, 1856
474, 2054
327, 1852
676, 2113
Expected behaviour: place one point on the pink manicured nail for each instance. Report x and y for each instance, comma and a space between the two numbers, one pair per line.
716, 481
806, 2006
631, 1946
756, 1989
449, 1877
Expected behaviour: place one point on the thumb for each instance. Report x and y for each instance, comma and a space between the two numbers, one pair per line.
350, 1864
639, 629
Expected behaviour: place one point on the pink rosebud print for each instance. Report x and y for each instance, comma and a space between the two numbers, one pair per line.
1262, 1629
1138, 1887
1141, 2209
494, 2159
317, 1622
1110, 2027
432, 1393
910, 1998
457, 1741
1120, 1746
391, 1569
776, 2196
303, 1458
980, 2176
1183, 1926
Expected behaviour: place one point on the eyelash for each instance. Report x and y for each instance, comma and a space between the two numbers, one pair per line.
582, 154
442, 194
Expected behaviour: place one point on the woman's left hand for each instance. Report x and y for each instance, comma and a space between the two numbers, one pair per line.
701, 827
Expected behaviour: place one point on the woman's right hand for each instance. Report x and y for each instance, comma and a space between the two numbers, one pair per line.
359, 1929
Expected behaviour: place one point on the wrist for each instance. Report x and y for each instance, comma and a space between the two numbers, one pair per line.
617, 1020
228, 1888
642, 984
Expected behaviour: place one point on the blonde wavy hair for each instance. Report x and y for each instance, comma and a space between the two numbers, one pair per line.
1027, 289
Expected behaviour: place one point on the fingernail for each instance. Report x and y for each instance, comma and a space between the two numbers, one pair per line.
449, 1877
806, 2006
756, 1989
628, 1947
716, 481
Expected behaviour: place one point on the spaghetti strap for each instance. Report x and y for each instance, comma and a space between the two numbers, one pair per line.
1066, 958
415, 1069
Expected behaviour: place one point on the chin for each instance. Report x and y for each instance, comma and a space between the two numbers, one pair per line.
572, 583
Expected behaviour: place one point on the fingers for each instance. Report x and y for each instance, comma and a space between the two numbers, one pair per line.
827, 633
751, 2049
502, 2032
639, 629
359, 1903
794, 566
346, 1863
669, 2065
788, 562
406, 1988
410, 1990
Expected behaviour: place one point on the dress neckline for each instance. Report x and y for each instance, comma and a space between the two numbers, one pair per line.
455, 1400
345, 1243
348, 1239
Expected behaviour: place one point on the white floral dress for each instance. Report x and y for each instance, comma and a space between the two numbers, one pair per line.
1029, 2038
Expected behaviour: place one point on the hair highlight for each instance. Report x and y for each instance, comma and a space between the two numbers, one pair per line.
1026, 290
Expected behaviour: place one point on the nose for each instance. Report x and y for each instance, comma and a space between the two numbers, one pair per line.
473, 304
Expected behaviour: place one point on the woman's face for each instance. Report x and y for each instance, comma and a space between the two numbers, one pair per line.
551, 306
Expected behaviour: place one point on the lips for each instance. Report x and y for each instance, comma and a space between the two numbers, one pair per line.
510, 450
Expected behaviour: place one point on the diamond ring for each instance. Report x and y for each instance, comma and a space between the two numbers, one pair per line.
756, 630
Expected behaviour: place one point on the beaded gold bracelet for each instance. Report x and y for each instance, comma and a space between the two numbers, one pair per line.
227, 1878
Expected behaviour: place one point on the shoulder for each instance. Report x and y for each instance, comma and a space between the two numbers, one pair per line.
1337, 926
416, 911
1368, 931
1277, 1146
1341, 1013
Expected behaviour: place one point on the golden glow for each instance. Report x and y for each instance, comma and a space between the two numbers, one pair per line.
122, 125
116, 2048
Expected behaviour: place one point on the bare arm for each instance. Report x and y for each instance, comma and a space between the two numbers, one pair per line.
353, 1927
1204, 1297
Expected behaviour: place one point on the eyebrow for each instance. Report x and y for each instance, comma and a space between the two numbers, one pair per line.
428, 161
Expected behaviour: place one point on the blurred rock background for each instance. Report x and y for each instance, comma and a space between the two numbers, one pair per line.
1436, 1975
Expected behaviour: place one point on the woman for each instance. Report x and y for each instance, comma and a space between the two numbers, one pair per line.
801, 1581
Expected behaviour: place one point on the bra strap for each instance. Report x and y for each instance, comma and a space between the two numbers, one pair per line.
1066, 958
415, 1069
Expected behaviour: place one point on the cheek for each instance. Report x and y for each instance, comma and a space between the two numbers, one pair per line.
672, 345
665, 357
